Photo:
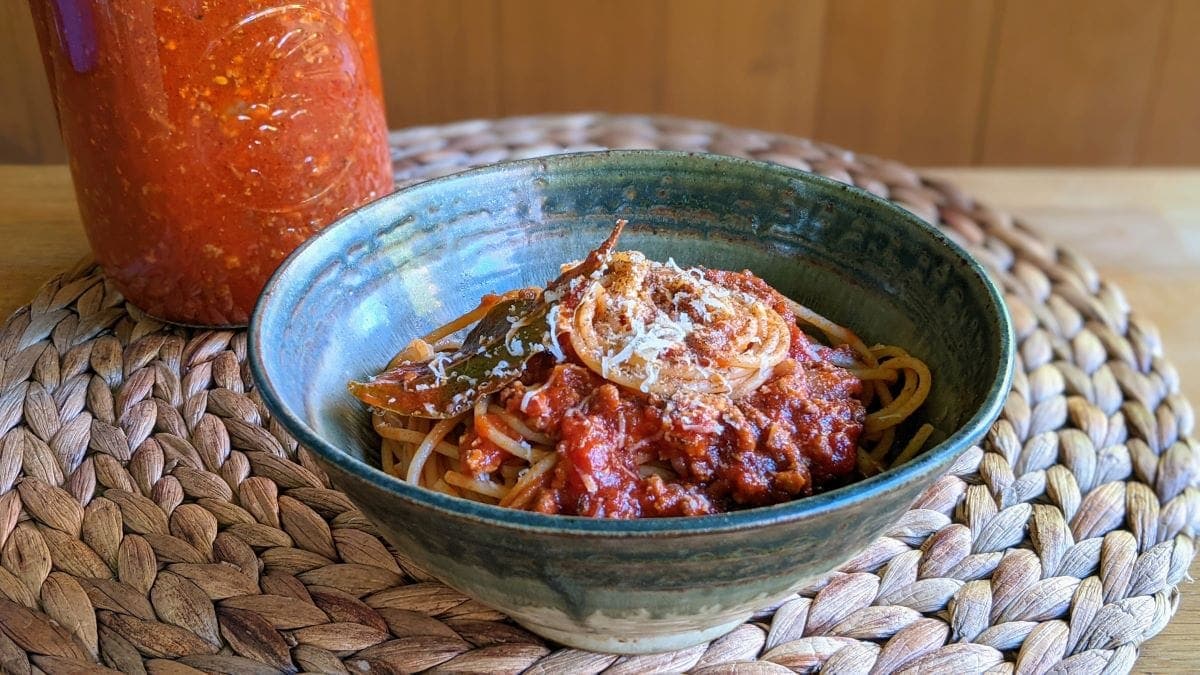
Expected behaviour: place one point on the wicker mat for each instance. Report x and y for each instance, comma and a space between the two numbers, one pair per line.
154, 518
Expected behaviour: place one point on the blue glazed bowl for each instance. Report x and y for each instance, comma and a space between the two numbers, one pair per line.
344, 303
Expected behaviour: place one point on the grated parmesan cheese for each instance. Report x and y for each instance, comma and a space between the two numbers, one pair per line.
529, 395
552, 334
500, 369
438, 364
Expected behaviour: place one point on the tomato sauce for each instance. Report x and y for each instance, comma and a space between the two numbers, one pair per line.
626, 454
209, 138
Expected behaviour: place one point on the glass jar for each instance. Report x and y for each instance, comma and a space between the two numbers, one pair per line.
209, 138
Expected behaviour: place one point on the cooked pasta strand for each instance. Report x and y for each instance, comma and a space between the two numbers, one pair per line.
526, 482
520, 427
415, 437
483, 487
914, 446
435, 435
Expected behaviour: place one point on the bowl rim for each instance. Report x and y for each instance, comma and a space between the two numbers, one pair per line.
746, 519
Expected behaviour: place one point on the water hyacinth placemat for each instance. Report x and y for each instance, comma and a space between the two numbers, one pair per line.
154, 518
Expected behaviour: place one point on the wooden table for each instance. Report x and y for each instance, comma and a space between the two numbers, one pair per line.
1141, 228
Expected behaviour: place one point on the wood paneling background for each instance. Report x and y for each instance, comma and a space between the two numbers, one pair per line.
950, 82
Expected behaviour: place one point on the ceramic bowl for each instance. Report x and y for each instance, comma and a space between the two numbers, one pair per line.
346, 301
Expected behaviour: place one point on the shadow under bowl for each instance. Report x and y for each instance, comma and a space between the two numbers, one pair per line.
344, 303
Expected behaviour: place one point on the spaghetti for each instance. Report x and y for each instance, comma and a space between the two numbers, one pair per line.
630, 388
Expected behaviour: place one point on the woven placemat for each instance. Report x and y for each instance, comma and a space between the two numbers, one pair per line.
153, 517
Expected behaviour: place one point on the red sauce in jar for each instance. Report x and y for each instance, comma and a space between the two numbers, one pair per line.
209, 138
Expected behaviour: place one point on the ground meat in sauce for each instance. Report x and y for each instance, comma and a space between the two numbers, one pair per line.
794, 435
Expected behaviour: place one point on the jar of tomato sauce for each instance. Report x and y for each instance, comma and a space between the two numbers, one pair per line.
209, 138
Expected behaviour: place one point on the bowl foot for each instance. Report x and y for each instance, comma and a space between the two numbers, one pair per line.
646, 643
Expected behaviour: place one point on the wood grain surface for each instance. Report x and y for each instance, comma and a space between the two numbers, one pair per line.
1043, 101
28, 129
1175, 100
951, 82
756, 64
441, 59
591, 55
1141, 228
887, 67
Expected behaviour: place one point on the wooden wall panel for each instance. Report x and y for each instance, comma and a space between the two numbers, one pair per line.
566, 56
753, 64
1071, 81
923, 81
440, 59
1172, 128
905, 79
28, 128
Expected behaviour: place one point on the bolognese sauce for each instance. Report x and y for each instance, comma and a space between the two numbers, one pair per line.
630, 388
